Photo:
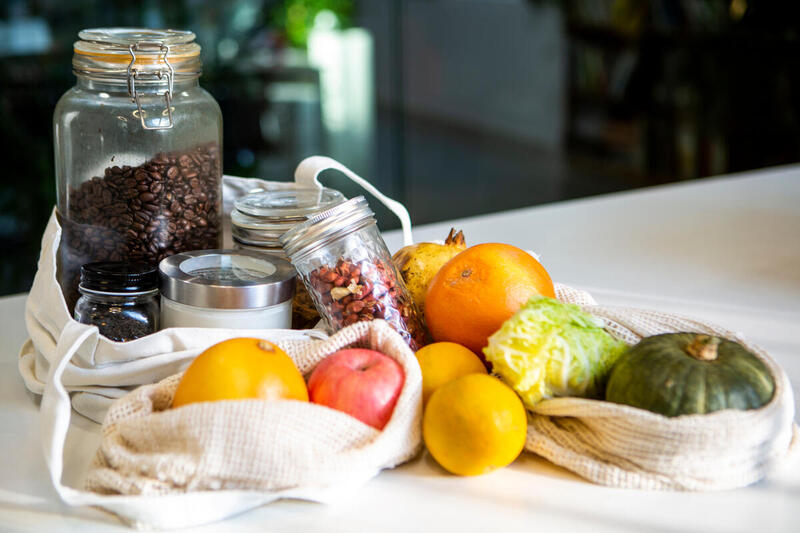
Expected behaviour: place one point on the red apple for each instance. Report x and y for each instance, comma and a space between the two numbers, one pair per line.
362, 383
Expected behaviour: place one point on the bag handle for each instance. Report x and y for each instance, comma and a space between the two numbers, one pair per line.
307, 175
56, 409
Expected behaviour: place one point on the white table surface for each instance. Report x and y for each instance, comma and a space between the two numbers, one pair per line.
724, 249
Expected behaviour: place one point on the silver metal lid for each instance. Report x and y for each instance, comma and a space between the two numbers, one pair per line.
227, 279
325, 227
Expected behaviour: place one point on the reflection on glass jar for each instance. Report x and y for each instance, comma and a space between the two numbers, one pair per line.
138, 152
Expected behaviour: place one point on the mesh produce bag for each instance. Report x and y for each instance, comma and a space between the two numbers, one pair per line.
270, 446
625, 447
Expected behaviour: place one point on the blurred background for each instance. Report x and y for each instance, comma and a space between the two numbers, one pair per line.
453, 107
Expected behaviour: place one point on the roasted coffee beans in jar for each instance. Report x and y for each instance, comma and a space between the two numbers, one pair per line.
347, 269
138, 152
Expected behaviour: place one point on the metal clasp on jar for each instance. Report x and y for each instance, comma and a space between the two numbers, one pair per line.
133, 75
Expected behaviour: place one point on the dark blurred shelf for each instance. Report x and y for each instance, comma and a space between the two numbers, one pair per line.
604, 35
612, 37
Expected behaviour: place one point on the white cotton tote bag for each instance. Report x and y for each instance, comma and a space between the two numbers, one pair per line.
72, 365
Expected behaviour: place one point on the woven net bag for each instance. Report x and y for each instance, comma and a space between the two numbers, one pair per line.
149, 449
620, 446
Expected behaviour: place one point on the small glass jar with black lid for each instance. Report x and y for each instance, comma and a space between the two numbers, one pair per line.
121, 299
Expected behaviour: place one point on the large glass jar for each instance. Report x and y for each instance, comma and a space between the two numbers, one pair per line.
346, 267
137, 151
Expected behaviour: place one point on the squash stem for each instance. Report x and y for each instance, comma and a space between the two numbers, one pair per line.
703, 347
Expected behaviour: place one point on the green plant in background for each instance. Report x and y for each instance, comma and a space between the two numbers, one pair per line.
297, 17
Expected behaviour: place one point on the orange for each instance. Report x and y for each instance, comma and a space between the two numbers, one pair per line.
479, 289
442, 362
239, 369
474, 424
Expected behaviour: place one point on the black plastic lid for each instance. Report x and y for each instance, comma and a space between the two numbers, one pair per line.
118, 277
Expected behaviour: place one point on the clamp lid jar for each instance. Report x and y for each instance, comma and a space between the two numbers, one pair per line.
236, 289
137, 152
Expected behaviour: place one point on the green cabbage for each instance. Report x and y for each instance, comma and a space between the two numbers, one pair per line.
549, 348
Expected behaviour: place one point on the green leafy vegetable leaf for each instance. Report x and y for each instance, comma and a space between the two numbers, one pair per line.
550, 349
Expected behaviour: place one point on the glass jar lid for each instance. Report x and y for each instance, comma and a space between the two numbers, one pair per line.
147, 61
227, 279
118, 278
288, 204
323, 228
261, 217
111, 52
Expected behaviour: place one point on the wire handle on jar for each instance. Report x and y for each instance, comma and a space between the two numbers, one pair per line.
133, 75
307, 175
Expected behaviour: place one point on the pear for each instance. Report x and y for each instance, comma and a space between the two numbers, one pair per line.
418, 263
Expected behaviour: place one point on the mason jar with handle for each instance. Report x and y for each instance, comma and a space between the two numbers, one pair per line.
137, 152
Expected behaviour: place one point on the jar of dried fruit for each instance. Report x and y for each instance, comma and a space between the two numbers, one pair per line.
137, 152
347, 269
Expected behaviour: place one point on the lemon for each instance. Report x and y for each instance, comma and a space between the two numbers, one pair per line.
238, 369
474, 424
442, 362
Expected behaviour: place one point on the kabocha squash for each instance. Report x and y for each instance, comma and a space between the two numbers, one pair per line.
687, 373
